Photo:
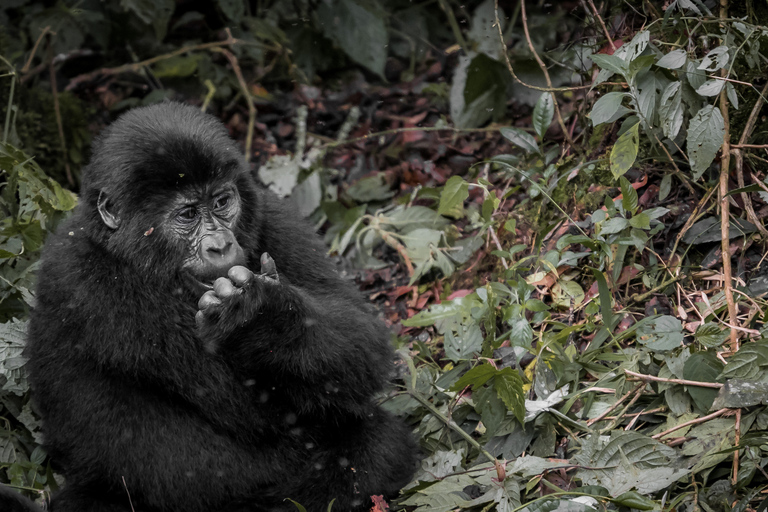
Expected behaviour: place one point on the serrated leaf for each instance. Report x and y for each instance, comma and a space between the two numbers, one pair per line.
543, 113
673, 60
521, 139
608, 108
748, 362
624, 152
706, 133
711, 335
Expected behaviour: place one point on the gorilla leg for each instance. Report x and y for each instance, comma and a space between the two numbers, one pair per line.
375, 455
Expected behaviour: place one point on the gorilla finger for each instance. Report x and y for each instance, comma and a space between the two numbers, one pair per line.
268, 267
208, 299
223, 287
200, 318
240, 275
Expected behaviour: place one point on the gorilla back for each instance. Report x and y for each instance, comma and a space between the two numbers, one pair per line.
193, 350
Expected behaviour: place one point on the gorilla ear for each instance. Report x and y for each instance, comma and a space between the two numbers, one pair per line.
104, 206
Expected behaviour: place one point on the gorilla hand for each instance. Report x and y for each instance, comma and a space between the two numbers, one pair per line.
235, 300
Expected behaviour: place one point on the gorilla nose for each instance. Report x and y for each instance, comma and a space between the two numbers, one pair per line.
221, 252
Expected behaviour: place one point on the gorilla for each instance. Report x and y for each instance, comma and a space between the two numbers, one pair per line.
193, 350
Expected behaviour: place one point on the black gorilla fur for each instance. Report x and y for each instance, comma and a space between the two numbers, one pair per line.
274, 401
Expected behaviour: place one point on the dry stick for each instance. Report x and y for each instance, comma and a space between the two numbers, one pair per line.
685, 382
615, 405
512, 71
248, 98
34, 49
735, 150
620, 415
136, 66
394, 131
691, 219
725, 214
736, 441
750, 146
57, 110
751, 215
602, 24
543, 67
691, 422
453, 23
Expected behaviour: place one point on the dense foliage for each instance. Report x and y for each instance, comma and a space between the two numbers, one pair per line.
539, 197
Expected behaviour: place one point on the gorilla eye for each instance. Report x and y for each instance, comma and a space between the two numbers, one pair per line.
187, 215
222, 202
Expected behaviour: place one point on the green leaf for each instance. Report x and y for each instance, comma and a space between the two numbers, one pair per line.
359, 32
711, 88
673, 60
234, 10
179, 66
633, 499
475, 377
661, 334
717, 58
706, 133
452, 198
509, 387
702, 367
152, 12
608, 108
711, 335
628, 195
640, 221
611, 63
543, 113
614, 225
671, 110
521, 139
624, 152
666, 186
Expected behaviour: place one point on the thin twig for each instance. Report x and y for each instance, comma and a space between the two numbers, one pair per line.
725, 214
511, 69
736, 441
685, 382
34, 49
602, 24
451, 424
544, 70
691, 219
246, 93
137, 66
57, 110
615, 405
691, 422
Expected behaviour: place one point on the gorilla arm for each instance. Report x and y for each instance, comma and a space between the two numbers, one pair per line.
299, 323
